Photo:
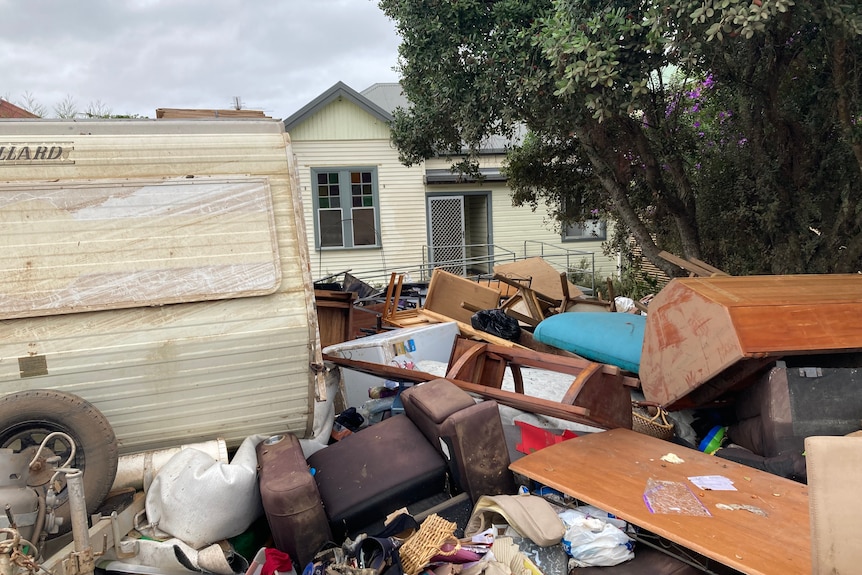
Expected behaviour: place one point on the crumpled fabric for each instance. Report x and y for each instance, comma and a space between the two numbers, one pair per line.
200, 500
530, 515
175, 557
276, 561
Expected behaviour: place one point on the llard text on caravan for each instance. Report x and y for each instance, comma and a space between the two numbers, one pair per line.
29, 153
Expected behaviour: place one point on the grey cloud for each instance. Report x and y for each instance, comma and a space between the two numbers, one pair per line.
138, 55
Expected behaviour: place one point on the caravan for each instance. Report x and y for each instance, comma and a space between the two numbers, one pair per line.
155, 288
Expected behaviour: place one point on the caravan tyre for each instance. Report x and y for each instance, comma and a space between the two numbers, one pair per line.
28, 417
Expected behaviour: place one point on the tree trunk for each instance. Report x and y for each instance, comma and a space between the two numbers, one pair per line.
622, 207
679, 201
839, 75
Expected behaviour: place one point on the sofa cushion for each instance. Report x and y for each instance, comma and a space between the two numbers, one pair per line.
379, 469
476, 449
429, 404
291, 499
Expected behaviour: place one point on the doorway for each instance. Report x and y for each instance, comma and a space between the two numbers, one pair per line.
460, 233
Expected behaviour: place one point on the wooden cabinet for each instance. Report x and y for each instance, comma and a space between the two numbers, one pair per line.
706, 336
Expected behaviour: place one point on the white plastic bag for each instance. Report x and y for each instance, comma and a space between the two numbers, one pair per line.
200, 500
593, 542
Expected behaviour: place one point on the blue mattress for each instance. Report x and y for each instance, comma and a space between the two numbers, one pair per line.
607, 337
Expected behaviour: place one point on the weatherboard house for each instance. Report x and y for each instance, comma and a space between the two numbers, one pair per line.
367, 213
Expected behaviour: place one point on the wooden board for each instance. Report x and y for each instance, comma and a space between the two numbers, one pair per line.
834, 481
447, 292
539, 405
540, 276
702, 330
611, 470
334, 316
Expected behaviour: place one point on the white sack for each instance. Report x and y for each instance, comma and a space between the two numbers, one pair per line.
200, 500
594, 542
175, 557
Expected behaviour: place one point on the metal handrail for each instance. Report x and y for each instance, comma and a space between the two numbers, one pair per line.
494, 255
559, 257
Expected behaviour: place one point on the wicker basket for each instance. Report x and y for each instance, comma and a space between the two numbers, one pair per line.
427, 542
651, 420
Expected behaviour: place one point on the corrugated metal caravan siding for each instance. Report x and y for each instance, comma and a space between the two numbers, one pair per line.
184, 372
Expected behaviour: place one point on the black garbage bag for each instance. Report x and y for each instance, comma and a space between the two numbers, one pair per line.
496, 322
350, 419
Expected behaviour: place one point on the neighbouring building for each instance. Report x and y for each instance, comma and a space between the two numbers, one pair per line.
10, 110
369, 214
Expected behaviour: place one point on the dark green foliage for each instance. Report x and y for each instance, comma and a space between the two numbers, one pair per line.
773, 187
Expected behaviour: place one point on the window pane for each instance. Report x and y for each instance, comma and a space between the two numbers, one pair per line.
362, 193
328, 190
589, 230
330, 228
364, 233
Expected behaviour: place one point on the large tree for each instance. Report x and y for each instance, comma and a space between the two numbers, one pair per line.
727, 130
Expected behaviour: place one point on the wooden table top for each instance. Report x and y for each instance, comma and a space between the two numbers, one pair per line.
612, 469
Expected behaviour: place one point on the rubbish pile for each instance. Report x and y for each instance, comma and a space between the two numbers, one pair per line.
523, 427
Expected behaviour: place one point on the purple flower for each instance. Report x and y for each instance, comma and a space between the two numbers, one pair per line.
697, 124
742, 141
670, 108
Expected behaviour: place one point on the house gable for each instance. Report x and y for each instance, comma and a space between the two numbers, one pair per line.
340, 113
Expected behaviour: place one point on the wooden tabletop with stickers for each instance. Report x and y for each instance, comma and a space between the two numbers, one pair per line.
744, 518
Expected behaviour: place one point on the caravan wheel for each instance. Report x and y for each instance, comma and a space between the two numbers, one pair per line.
28, 417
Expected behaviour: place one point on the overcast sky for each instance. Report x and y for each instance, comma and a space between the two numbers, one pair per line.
134, 56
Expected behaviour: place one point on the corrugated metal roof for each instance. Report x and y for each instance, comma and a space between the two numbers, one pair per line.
388, 96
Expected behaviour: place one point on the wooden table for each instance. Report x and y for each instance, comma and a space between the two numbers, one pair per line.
611, 470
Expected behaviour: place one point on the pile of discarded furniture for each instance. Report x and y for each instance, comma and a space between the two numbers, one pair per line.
682, 429
752, 368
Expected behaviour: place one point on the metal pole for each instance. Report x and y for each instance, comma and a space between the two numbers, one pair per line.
80, 528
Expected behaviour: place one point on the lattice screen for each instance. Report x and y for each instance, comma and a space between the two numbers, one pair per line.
447, 233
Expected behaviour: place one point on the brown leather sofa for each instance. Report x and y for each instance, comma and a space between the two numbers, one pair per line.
444, 444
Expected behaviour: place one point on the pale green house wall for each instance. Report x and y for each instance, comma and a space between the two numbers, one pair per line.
342, 134
524, 232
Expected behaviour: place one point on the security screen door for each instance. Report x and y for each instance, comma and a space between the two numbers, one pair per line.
447, 249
